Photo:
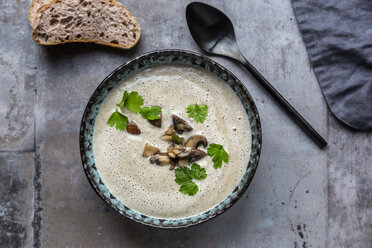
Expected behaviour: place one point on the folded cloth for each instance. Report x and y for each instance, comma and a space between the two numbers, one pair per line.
338, 38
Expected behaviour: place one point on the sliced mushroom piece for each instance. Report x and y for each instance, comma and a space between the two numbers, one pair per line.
152, 159
169, 131
196, 140
157, 122
166, 137
175, 149
162, 160
178, 147
170, 149
133, 128
172, 164
163, 153
196, 155
180, 125
182, 162
172, 155
185, 154
150, 150
184, 150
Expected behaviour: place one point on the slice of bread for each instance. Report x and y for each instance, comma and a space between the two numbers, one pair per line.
35, 6
105, 22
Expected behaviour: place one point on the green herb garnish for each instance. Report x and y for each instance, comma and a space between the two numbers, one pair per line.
197, 172
184, 178
219, 154
131, 101
197, 112
119, 120
150, 113
189, 188
177, 139
182, 175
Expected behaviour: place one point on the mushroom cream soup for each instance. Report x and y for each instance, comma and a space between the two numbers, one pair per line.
150, 188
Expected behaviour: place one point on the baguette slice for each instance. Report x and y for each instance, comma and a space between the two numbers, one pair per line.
35, 6
105, 22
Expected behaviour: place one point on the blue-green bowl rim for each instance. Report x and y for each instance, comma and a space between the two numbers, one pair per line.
167, 56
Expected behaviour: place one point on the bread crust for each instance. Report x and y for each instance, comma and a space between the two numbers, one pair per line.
82, 40
32, 6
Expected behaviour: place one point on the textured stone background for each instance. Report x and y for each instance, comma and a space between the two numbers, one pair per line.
300, 196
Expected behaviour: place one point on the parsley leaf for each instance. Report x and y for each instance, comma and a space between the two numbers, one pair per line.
177, 139
150, 113
119, 120
185, 175
197, 112
131, 101
182, 175
219, 154
197, 172
189, 188
122, 102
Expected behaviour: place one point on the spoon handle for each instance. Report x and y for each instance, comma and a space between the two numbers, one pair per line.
292, 112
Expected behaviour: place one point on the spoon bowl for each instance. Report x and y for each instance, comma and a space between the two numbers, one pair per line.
212, 30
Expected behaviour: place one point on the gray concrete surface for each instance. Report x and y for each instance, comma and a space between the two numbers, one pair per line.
16, 208
300, 196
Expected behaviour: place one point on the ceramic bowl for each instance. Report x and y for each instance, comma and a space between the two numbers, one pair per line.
125, 70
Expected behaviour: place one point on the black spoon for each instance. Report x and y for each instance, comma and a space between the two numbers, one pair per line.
214, 33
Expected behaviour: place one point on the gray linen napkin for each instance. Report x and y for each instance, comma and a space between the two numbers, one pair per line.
338, 37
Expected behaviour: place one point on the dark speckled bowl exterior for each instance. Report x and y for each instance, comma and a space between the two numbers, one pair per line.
146, 60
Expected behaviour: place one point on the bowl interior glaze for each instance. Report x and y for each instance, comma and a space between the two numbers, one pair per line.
122, 72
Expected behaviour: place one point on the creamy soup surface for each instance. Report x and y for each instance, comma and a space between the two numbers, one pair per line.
148, 188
